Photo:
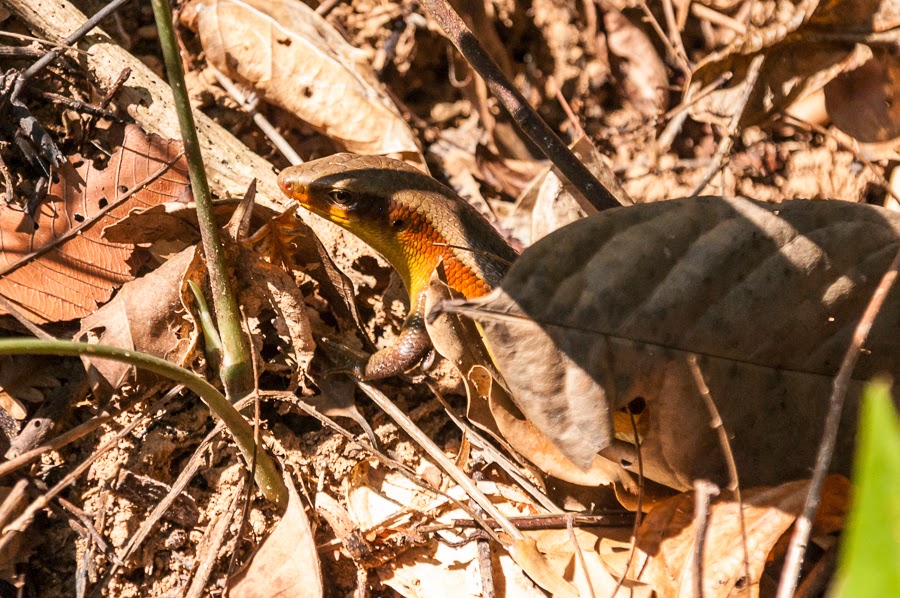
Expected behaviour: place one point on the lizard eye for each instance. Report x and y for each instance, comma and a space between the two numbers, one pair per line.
341, 197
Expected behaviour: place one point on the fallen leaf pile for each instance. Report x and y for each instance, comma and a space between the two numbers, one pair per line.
584, 402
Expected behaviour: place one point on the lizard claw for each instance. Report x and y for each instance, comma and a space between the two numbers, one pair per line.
344, 360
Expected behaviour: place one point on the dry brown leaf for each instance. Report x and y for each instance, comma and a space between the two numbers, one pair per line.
76, 274
668, 535
766, 295
295, 59
490, 406
549, 202
865, 102
286, 563
797, 62
147, 315
639, 69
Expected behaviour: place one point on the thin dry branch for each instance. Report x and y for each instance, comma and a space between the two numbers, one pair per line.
803, 527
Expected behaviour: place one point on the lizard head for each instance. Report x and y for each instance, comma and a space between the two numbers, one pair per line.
385, 202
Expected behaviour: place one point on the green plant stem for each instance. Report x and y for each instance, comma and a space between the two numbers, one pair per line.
237, 371
267, 476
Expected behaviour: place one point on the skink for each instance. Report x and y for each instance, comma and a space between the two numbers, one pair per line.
414, 222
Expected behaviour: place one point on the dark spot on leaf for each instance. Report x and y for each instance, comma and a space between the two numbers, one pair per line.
284, 42
123, 189
103, 202
79, 218
307, 92
636, 406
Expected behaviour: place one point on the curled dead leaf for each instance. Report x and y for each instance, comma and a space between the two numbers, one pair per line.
295, 59
286, 563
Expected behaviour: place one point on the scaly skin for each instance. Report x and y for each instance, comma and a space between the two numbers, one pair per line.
414, 222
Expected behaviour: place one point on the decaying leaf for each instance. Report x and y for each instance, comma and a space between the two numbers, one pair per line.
490, 406
799, 58
146, 315
766, 296
639, 68
865, 102
286, 563
50, 276
296, 60
668, 535
549, 203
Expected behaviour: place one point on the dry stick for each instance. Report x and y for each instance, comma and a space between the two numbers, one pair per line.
403, 470
495, 455
236, 372
803, 525
727, 141
716, 18
85, 520
55, 52
704, 490
440, 458
261, 121
594, 196
640, 506
654, 24
211, 550
675, 35
21, 523
734, 484
570, 529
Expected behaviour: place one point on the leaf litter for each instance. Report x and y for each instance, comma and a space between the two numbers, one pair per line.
619, 92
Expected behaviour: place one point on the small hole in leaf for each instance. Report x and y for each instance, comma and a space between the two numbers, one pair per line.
285, 42
307, 92
103, 202
123, 189
636, 406
79, 218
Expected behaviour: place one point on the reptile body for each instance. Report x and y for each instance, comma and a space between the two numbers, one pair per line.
415, 223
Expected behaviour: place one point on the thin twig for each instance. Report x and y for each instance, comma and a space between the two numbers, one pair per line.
55, 52
592, 195
261, 121
727, 141
440, 458
638, 514
704, 490
734, 484
803, 526
570, 529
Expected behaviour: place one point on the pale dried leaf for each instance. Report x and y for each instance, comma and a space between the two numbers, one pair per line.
640, 70
295, 59
21, 379
796, 62
549, 203
766, 295
73, 276
286, 563
146, 315
668, 535
865, 102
